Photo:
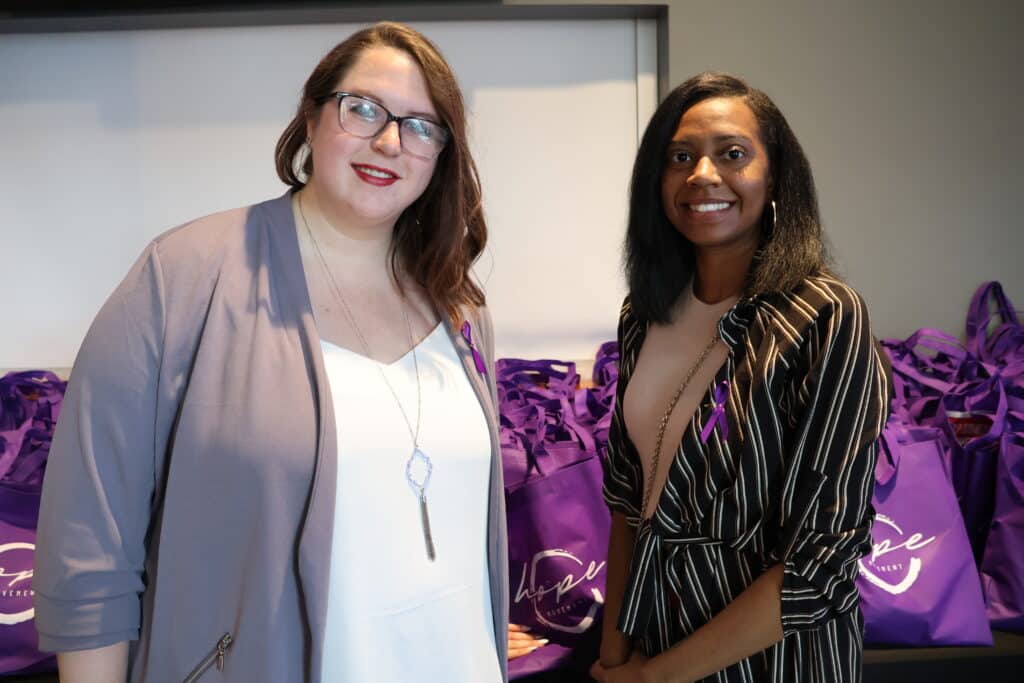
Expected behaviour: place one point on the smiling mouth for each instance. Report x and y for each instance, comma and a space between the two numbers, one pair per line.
375, 172
708, 207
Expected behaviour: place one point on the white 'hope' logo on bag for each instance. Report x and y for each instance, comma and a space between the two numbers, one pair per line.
882, 568
559, 567
15, 586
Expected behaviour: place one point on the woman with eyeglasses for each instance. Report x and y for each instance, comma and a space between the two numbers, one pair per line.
278, 457
751, 393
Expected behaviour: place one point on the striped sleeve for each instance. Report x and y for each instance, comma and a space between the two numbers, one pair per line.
827, 514
622, 475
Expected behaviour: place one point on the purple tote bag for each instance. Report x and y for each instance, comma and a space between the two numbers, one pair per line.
557, 521
990, 305
19, 642
919, 585
558, 531
972, 457
961, 390
990, 383
1002, 567
29, 406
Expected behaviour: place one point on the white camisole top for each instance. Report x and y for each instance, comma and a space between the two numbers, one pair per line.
392, 614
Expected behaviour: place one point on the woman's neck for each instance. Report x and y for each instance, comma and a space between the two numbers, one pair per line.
721, 272
354, 252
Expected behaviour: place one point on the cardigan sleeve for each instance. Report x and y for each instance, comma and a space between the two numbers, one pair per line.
826, 524
623, 479
100, 477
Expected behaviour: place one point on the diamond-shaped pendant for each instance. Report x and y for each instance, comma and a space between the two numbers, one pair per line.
418, 469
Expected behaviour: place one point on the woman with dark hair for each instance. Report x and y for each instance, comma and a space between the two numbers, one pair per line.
751, 394
278, 454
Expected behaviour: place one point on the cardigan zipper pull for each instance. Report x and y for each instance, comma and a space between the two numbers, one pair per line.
222, 648
215, 656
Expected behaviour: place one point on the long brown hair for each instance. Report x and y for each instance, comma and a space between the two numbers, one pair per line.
439, 236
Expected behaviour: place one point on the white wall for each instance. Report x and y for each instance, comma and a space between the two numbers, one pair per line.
909, 112
110, 138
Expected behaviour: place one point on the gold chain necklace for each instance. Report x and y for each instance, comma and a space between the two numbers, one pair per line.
649, 486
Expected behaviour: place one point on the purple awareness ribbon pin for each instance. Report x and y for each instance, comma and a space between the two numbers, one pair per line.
478, 360
717, 416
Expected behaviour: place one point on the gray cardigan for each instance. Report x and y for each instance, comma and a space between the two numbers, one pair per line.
190, 488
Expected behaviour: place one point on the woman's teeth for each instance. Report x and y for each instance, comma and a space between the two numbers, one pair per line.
704, 208
375, 173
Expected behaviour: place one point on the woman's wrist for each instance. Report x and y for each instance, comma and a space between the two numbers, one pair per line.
612, 661
614, 653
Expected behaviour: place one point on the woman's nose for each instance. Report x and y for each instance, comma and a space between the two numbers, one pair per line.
389, 140
704, 173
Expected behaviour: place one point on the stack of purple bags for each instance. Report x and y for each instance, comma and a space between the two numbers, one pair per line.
553, 435
948, 556
29, 406
547, 420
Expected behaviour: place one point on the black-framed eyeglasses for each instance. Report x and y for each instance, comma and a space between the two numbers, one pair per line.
365, 118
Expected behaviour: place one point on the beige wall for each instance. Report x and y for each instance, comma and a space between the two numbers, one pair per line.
910, 112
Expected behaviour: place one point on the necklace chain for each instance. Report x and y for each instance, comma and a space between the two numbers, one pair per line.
414, 434
649, 485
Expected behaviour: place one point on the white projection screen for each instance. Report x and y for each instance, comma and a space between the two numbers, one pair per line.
110, 138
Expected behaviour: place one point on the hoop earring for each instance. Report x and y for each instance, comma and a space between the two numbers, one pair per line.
775, 217
299, 164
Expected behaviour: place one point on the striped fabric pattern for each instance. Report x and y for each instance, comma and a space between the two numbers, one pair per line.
792, 484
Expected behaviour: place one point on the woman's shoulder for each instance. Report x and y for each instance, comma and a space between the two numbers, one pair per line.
816, 299
830, 290
628, 315
476, 316
822, 310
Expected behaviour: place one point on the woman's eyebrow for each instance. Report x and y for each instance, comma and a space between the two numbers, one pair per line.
718, 139
362, 92
732, 137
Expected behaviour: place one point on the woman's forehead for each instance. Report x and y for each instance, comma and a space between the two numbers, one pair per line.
392, 77
718, 117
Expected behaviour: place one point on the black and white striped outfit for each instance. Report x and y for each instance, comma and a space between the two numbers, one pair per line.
792, 483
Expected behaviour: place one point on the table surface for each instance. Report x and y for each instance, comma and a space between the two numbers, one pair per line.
1004, 661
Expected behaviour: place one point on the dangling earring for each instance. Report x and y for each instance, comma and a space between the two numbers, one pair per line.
301, 157
775, 217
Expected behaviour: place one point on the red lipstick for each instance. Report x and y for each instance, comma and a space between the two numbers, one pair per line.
375, 175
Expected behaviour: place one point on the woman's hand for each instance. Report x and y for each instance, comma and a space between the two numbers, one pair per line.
520, 642
630, 672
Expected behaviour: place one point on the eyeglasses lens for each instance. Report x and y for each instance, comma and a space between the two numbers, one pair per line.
366, 119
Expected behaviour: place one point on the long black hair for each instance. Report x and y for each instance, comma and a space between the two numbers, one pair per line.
660, 261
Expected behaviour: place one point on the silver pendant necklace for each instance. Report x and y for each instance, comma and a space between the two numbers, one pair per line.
418, 460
